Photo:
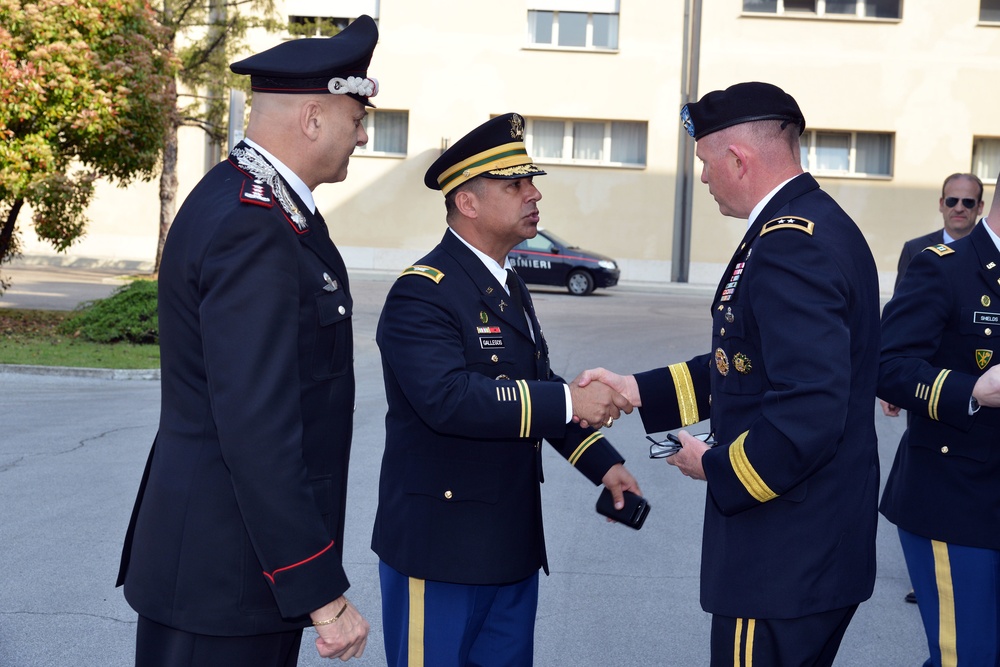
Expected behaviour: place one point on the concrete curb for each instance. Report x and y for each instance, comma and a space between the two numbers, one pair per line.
99, 373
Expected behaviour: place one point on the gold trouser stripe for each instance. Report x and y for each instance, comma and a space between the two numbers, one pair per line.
738, 643
415, 638
745, 472
932, 404
687, 403
947, 641
584, 446
522, 386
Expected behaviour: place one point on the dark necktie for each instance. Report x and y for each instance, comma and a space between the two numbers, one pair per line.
515, 290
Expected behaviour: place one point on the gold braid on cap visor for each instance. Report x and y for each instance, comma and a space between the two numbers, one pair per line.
508, 155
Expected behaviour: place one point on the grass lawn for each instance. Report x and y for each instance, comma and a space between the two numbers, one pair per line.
32, 337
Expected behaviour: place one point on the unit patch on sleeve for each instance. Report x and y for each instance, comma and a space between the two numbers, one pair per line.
789, 222
421, 270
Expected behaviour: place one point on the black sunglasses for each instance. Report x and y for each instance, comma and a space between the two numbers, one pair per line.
967, 202
661, 449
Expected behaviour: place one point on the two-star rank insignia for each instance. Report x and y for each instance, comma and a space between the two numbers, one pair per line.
788, 222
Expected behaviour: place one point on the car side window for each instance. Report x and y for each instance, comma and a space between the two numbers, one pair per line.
538, 244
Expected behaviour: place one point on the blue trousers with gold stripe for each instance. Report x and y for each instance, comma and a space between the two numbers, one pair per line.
437, 624
958, 592
809, 641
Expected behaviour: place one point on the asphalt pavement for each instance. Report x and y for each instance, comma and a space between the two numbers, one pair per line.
72, 450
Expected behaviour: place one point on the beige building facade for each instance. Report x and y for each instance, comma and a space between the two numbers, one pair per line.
895, 98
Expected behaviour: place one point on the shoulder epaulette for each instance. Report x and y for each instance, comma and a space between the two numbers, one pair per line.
255, 191
939, 249
421, 270
789, 222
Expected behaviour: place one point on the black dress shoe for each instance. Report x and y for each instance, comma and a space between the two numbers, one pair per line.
911, 597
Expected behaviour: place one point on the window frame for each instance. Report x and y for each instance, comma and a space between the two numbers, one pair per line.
588, 45
323, 26
821, 13
568, 143
990, 179
808, 142
371, 128
989, 22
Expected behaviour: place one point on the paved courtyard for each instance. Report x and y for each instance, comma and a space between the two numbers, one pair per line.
72, 451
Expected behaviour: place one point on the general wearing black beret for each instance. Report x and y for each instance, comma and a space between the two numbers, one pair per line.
740, 103
495, 149
337, 64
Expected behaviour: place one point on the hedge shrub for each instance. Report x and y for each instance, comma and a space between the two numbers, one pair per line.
128, 315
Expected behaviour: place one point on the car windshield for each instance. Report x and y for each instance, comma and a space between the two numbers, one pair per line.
558, 240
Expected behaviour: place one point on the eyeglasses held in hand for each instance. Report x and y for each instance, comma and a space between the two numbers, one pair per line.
661, 449
967, 202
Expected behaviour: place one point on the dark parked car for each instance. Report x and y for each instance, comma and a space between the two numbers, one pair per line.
548, 260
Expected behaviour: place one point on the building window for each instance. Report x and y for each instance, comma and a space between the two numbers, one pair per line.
989, 10
603, 143
581, 24
986, 158
828, 153
387, 133
877, 9
322, 18
315, 26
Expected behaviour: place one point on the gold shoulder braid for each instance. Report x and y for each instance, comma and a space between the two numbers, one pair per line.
253, 162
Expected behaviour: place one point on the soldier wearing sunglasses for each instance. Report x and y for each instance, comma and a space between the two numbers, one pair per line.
961, 204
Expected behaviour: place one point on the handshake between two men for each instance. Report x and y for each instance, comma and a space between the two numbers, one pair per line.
600, 396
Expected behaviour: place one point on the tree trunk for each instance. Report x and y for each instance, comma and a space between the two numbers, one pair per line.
7, 231
7, 238
168, 184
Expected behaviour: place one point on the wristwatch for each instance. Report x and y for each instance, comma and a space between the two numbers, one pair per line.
973, 405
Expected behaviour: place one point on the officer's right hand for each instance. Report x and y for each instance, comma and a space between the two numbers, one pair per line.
346, 637
888, 409
597, 404
987, 389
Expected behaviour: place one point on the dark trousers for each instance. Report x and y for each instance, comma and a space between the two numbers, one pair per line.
437, 624
158, 645
809, 641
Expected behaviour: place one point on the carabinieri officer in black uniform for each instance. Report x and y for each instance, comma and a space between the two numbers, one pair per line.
788, 550
940, 363
470, 395
236, 538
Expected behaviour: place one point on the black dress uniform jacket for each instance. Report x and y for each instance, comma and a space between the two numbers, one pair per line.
470, 396
790, 513
939, 335
238, 524
910, 250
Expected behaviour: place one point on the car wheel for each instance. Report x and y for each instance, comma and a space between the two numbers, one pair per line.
580, 283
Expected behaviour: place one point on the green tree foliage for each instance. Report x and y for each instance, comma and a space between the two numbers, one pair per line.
82, 96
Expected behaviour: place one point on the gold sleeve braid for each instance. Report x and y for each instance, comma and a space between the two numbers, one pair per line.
525, 408
745, 472
574, 458
687, 403
935, 396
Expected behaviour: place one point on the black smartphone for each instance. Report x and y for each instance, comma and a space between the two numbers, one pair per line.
632, 515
